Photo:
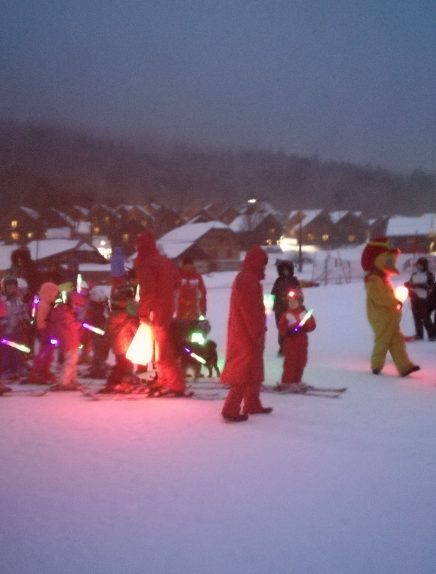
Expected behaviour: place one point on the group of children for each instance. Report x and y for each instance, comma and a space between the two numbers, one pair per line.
64, 327
54, 327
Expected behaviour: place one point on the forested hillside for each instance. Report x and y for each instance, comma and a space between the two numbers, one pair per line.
42, 165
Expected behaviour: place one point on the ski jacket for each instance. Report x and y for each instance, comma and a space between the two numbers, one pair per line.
16, 319
246, 324
64, 327
157, 278
420, 284
191, 295
291, 319
47, 295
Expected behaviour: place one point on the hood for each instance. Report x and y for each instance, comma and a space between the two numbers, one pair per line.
255, 261
146, 244
375, 248
282, 264
48, 292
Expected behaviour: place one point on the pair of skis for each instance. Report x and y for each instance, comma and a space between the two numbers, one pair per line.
306, 390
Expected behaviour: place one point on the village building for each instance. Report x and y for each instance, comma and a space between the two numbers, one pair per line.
311, 227
211, 244
413, 234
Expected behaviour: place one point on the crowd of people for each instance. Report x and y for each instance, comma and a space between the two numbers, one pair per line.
54, 318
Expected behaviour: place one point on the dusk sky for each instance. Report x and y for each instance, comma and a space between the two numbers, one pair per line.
351, 80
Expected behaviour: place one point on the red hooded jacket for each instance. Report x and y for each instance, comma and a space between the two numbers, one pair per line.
191, 295
246, 324
157, 277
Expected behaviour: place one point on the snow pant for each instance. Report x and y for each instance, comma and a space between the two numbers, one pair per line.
169, 371
249, 393
11, 360
42, 361
68, 373
295, 349
122, 368
421, 317
388, 337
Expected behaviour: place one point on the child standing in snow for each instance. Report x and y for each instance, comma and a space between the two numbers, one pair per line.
14, 328
41, 368
65, 328
294, 324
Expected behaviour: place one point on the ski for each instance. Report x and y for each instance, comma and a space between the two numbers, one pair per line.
309, 390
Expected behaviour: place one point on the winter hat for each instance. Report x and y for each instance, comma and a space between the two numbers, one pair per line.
375, 248
283, 264
146, 244
255, 260
48, 292
295, 294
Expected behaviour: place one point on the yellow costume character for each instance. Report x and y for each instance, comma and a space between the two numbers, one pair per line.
383, 309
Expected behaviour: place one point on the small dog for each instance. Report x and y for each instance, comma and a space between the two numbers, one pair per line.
207, 352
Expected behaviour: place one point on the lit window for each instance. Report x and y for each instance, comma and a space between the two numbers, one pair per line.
15, 236
30, 235
351, 238
96, 229
14, 224
125, 237
325, 237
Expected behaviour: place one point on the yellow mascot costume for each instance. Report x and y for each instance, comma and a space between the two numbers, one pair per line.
383, 309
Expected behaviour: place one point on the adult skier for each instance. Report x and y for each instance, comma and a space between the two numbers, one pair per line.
243, 369
158, 278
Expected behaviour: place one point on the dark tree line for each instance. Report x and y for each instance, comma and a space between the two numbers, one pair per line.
43, 165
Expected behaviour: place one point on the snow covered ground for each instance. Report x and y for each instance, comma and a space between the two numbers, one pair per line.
163, 486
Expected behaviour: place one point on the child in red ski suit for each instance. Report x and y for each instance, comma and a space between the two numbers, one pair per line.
294, 328
65, 327
191, 293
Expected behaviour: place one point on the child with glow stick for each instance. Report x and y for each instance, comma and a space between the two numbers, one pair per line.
294, 324
14, 328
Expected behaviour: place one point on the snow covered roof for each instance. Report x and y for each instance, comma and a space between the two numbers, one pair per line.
190, 232
83, 227
401, 226
58, 233
47, 247
248, 221
30, 212
173, 250
336, 216
64, 216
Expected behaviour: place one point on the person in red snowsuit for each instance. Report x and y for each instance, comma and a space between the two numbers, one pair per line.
158, 278
64, 326
191, 300
243, 369
295, 340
